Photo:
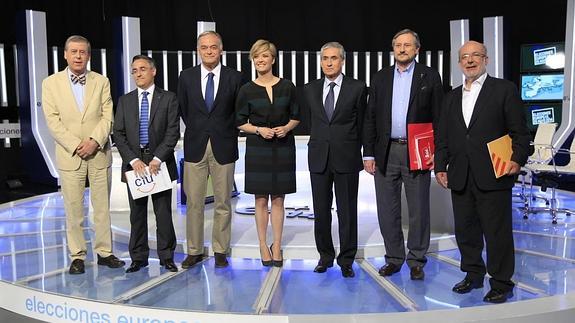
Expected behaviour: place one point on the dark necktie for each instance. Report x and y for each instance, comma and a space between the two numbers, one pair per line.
329, 105
144, 119
78, 79
210, 92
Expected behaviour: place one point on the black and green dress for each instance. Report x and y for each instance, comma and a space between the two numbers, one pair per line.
270, 163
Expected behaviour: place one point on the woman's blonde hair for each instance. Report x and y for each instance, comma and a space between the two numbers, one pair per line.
262, 45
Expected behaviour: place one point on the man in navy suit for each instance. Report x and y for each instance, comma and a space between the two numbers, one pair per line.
146, 130
404, 93
481, 110
207, 94
337, 105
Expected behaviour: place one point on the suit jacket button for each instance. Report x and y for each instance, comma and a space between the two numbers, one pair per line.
467, 136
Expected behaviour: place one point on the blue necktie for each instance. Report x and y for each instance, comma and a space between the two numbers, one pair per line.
329, 105
210, 92
144, 119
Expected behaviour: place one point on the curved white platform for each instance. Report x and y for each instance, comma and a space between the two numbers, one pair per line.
35, 282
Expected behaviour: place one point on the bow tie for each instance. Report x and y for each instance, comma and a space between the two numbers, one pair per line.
78, 79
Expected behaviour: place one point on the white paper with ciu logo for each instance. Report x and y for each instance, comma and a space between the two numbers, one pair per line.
149, 184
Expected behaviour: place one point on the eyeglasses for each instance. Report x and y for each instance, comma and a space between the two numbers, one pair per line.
474, 56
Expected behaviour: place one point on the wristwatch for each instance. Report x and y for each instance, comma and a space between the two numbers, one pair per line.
257, 131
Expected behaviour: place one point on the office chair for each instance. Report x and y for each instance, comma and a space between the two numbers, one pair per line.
542, 154
549, 176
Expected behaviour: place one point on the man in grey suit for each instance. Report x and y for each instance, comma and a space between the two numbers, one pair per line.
337, 106
146, 130
402, 94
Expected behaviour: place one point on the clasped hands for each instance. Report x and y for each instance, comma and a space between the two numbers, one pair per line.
87, 148
269, 133
139, 167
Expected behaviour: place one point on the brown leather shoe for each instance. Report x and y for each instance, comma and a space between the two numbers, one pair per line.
111, 261
389, 269
417, 273
221, 260
191, 260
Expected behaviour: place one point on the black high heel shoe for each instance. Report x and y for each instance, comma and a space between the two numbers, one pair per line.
277, 263
267, 263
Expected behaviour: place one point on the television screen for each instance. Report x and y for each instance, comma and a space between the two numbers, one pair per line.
542, 57
538, 113
542, 87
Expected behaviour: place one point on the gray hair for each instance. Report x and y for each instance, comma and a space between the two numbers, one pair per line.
211, 32
77, 39
334, 44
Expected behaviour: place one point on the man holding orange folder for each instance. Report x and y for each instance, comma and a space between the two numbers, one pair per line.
473, 115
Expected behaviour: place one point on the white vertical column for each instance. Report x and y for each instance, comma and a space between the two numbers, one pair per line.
305, 67
440, 63
224, 58
428, 58
293, 67
239, 60
3, 85
355, 63
16, 77
391, 58
104, 62
367, 68
165, 68
281, 63
131, 47
318, 65
459, 34
54, 59
379, 60
493, 41
180, 62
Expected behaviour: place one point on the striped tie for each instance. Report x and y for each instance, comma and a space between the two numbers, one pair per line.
144, 119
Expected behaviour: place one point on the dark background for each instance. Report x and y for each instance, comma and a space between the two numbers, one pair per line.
361, 25
292, 25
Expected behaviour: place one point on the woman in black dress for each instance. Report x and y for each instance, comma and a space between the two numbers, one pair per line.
267, 112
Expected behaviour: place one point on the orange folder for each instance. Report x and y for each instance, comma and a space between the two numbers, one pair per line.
420, 144
500, 151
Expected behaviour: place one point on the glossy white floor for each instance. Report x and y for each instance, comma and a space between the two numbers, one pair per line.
35, 283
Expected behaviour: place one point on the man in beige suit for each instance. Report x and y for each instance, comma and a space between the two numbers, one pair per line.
78, 110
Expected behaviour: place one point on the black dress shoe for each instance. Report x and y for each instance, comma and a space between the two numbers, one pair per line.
111, 261
322, 268
497, 296
417, 273
136, 265
466, 285
191, 260
169, 265
389, 269
221, 260
347, 271
77, 267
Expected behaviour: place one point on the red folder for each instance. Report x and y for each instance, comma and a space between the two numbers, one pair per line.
420, 144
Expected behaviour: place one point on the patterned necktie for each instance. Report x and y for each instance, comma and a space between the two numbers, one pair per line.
78, 79
144, 119
329, 105
210, 92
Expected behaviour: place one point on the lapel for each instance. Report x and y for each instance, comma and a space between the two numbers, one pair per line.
133, 113
69, 98
89, 89
417, 79
458, 106
156, 97
481, 100
342, 94
221, 87
318, 95
197, 90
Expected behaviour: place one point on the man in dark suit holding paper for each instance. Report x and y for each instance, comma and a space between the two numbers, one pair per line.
146, 130
474, 114
402, 94
337, 104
